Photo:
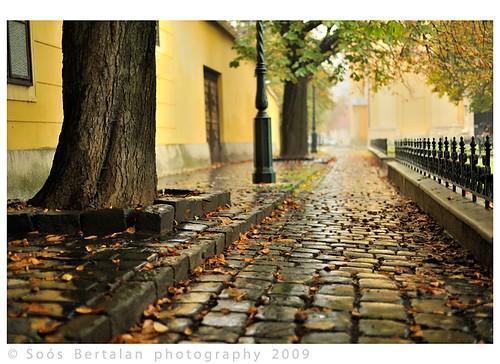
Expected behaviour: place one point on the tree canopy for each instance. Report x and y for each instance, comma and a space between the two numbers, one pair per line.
456, 57
329, 46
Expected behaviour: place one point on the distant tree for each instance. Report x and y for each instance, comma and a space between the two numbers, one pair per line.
324, 100
455, 56
298, 50
106, 151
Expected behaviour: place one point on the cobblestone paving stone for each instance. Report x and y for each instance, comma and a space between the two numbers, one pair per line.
50, 276
351, 261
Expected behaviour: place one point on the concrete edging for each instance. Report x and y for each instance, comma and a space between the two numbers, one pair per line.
382, 157
469, 223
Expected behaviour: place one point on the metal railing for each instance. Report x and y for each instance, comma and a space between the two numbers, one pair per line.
467, 168
379, 144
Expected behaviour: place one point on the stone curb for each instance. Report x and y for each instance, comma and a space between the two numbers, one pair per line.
382, 157
469, 223
128, 301
106, 221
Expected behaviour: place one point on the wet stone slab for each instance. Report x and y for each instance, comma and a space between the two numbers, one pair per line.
385, 328
264, 276
187, 309
439, 321
178, 324
217, 334
297, 278
337, 303
251, 284
326, 338
233, 305
48, 295
53, 310
430, 306
169, 338
271, 329
242, 293
447, 336
380, 295
376, 283
195, 297
382, 340
328, 321
378, 310
209, 287
217, 319
297, 270
337, 290
276, 313
213, 278
285, 300
290, 289
260, 268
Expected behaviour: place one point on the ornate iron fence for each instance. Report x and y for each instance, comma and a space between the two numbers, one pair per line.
379, 144
457, 163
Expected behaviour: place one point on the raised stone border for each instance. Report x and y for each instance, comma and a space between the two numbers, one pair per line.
382, 158
141, 288
153, 219
469, 223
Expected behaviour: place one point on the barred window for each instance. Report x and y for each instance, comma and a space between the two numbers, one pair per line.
19, 53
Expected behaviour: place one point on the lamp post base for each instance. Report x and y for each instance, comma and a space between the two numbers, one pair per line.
264, 177
314, 142
263, 158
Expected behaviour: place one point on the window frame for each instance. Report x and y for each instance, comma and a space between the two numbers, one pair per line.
18, 80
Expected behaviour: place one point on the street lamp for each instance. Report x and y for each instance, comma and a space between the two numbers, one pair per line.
263, 150
314, 135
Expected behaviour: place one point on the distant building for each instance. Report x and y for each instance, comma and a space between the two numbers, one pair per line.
406, 110
204, 111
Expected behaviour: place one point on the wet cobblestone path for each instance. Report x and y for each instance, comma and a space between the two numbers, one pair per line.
349, 261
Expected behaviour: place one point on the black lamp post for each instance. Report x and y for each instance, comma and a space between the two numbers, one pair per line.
263, 151
314, 135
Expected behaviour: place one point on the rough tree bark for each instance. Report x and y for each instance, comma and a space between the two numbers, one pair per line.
293, 131
106, 151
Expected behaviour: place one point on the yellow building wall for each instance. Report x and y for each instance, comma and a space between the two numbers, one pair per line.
411, 109
359, 113
34, 115
274, 112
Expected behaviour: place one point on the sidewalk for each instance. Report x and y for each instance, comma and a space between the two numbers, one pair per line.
64, 288
351, 261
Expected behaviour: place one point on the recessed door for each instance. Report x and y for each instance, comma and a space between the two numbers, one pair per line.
212, 115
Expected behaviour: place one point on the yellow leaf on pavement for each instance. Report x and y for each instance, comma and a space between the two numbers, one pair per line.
236, 293
67, 277
159, 327
85, 310
226, 220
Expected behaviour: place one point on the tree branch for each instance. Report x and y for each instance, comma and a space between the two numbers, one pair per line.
329, 42
310, 25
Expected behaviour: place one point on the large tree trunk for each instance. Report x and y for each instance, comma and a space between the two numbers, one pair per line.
294, 120
106, 151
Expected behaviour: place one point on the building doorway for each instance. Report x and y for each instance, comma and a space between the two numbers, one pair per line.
212, 114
